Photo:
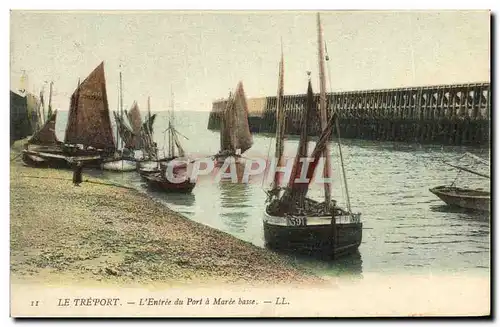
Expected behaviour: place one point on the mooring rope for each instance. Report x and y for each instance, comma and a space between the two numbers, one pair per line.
345, 190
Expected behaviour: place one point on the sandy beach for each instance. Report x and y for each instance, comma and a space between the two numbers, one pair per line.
103, 233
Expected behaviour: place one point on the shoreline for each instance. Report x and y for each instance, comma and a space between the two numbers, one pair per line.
105, 233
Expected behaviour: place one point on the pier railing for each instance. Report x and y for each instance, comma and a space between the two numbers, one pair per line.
444, 114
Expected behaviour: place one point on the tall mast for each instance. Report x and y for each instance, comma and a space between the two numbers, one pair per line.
23, 83
147, 136
171, 149
233, 122
41, 115
148, 130
117, 123
149, 107
121, 99
337, 126
49, 111
279, 120
172, 105
323, 114
223, 123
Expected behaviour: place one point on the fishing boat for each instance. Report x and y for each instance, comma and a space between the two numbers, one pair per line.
88, 135
43, 149
467, 198
150, 159
292, 221
463, 197
123, 160
155, 161
88, 129
171, 173
165, 180
235, 135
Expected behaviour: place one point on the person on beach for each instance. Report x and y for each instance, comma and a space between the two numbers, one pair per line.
77, 173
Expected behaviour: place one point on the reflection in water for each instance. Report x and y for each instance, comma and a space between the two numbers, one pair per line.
350, 265
231, 170
463, 213
178, 199
234, 198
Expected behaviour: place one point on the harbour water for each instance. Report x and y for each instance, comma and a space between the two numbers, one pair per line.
405, 227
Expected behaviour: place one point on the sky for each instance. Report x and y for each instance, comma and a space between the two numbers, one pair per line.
200, 56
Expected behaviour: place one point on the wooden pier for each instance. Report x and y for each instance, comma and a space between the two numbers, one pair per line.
443, 114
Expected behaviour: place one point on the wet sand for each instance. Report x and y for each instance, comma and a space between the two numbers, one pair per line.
102, 233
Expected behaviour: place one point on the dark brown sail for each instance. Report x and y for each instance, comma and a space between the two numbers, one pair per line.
242, 136
318, 150
134, 118
88, 121
147, 136
296, 191
225, 128
46, 135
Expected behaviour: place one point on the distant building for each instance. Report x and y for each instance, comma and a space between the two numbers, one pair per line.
20, 120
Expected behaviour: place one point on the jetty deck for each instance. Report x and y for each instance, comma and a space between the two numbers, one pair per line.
443, 114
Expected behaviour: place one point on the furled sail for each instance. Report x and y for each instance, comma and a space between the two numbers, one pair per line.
89, 120
148, 144
47, 133
296, 191
41, 111
126, 133
135, 121
242, 136
319, 150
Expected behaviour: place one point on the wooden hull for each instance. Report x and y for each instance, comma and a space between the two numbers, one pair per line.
156, 182
59, 159
318, 237
152, 168
72, 151
145, 172
41, 161
464, 198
